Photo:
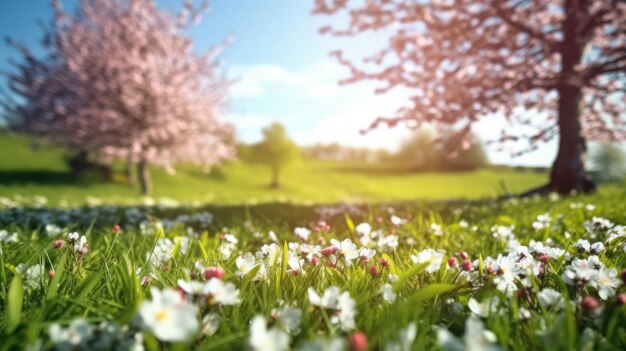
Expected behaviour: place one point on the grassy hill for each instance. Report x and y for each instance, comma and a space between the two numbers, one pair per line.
28, 172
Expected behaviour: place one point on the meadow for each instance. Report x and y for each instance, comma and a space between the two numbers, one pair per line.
26, 172
518, 274
344, 256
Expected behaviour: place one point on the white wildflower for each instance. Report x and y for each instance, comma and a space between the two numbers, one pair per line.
607, 282
429, 255
551, 299
263, 339
168, 316
341, 304
388, 294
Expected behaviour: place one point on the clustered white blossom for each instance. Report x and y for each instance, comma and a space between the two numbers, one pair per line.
82, 335
339, 304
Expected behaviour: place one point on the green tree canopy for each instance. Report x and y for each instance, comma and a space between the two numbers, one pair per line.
276, 150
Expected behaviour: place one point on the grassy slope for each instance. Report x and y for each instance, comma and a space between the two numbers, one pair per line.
27, 172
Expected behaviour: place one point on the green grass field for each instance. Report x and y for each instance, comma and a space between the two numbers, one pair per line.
28, 172
497, 275
517, 274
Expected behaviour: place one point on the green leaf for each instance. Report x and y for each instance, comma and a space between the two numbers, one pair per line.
89, 284
481, 264
14, 304
283, 266
252, 273
443, 268
204, 253
54, 283
152, 344
430, 291
408, 274
349, 223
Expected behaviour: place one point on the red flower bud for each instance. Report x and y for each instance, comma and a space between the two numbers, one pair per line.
213, 272
358, 341
590, 303
373, 271
383, 262
331, 250
116, 228
315, 261
544, 258
452, 262
467, 265
463, 255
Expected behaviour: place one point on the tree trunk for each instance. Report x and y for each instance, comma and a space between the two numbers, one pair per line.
275, 175
130, 172
144, 177
568, 171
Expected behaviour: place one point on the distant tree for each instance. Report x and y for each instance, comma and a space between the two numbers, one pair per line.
426, 150
276, 150
609, 162
418, 152
467, 159
556, 68
121, 80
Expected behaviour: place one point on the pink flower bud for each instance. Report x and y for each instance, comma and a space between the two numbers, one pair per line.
331, 250
116, 228
321, 240
590, 303
373, 271
452, 262
58, 244
621, 299
544, 258
384, 262
315, 261
463, 255
358, 341
467, 265
213, 272
51, 273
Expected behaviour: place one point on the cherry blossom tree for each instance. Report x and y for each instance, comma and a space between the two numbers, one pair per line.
553, 68
121, 80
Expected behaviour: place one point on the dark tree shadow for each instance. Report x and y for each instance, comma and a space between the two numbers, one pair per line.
12, 177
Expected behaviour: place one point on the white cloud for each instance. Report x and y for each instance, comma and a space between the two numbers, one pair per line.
255, 81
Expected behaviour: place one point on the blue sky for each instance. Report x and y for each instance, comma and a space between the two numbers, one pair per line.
283, 72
